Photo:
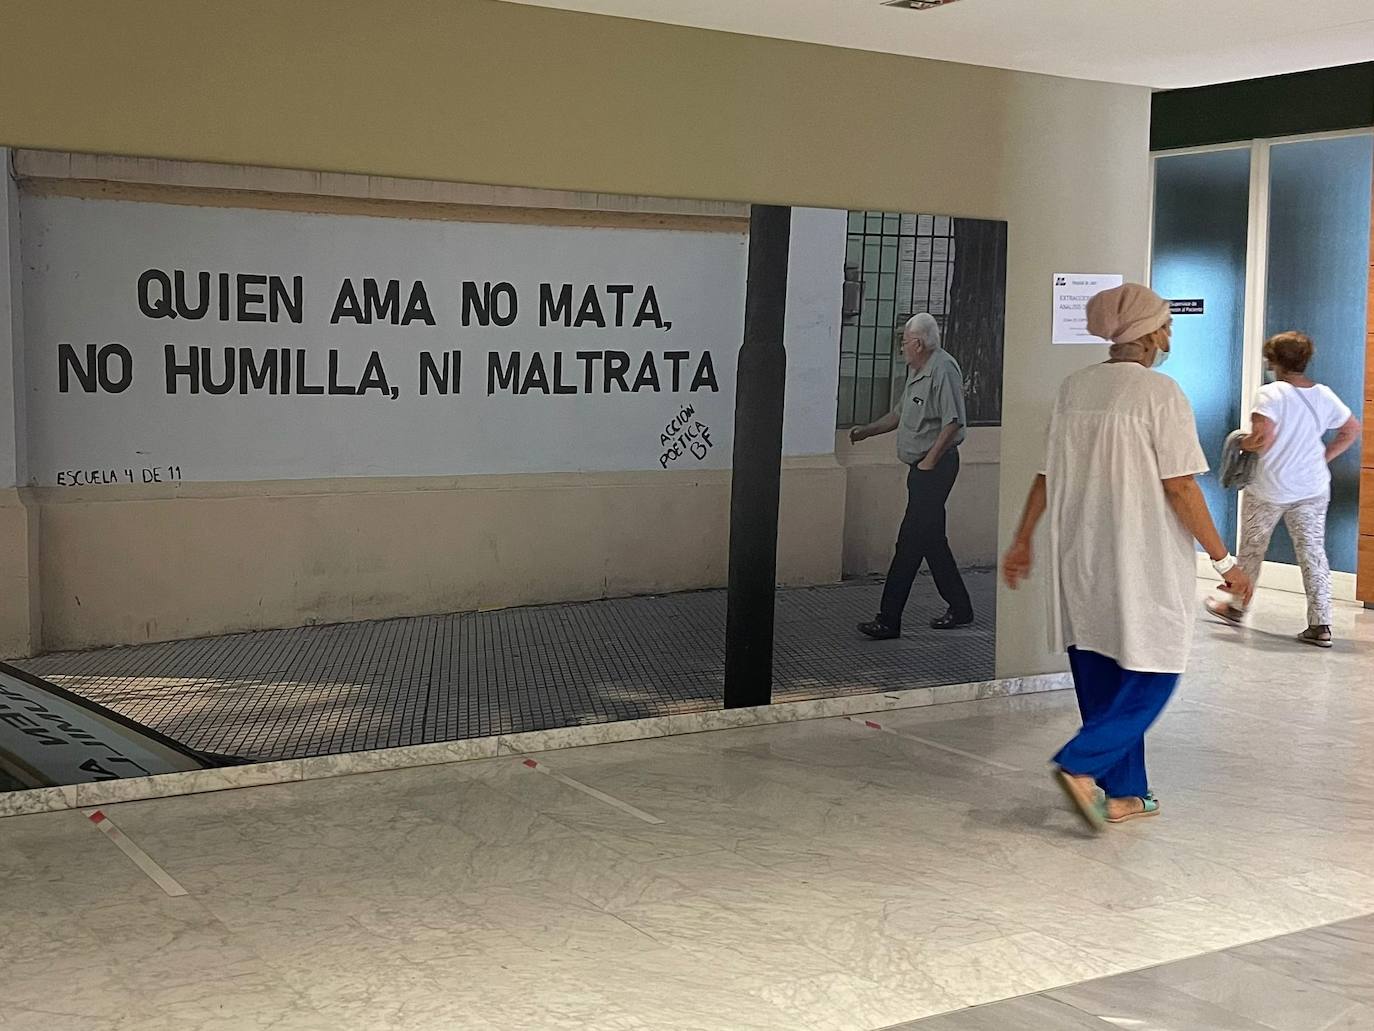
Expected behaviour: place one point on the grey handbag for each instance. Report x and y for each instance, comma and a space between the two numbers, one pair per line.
1237, 467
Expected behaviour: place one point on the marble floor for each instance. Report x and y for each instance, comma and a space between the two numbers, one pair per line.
816, 876
1318, 979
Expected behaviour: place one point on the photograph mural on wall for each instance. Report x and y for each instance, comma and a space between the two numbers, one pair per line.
232, 345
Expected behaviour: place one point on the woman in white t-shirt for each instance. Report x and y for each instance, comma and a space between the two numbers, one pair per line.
1123, 509
1292, 415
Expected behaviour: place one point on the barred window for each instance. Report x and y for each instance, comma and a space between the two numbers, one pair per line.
900, 264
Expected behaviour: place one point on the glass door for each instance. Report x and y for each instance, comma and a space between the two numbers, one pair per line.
1319, 214
1200, 248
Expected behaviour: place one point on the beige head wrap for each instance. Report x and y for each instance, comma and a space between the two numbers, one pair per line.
1126, 313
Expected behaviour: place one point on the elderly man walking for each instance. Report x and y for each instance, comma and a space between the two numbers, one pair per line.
929, 420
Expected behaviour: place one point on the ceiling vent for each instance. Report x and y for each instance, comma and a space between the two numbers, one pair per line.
917, 5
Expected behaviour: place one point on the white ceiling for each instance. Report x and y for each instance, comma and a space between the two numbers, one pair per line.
1160, 43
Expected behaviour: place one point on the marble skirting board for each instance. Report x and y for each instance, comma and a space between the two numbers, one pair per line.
80, 796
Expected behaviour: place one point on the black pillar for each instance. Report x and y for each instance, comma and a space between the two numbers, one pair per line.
760, 384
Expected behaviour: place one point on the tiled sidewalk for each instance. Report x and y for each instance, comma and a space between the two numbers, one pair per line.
330, 689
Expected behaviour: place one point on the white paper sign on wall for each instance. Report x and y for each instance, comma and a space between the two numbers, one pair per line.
1072, 291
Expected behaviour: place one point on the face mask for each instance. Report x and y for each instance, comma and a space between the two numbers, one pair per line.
1161, 356
1270, 376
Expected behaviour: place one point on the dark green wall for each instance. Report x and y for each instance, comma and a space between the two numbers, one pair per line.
1283, 105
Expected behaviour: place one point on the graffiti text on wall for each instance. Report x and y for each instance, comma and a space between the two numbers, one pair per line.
260, 298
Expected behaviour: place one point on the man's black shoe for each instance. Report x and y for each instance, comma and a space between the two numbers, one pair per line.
878, 630
950, 621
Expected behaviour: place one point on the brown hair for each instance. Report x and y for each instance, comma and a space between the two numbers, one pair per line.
1290, 351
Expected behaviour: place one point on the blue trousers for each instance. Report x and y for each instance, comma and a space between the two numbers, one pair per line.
1118, 705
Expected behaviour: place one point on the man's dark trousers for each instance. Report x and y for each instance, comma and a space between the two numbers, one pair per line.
922, 539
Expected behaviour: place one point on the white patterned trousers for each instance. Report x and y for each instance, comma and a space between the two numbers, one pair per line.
1306, 522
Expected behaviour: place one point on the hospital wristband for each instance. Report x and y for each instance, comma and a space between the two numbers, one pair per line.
1224, 565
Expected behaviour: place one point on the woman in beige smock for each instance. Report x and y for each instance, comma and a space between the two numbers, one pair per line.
1123, 509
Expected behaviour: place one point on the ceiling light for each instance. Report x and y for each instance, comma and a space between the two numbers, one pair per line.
917, 5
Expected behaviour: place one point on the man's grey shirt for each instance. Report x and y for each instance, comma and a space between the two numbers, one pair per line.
931, 399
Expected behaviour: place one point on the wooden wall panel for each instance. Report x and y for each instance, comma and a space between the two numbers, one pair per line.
1364, 582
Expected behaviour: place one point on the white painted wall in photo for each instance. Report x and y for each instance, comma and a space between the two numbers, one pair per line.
12, 436
83, 259
815, 296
